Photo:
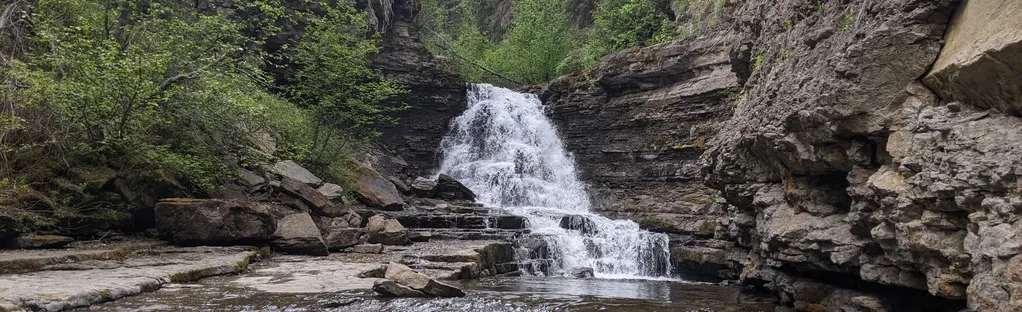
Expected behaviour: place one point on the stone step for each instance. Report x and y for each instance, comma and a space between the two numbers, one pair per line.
25, 261
469, 234
445, 221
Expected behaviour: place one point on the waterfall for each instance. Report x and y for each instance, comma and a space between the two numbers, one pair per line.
507, 151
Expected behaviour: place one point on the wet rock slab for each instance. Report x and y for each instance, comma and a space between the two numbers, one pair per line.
68, 279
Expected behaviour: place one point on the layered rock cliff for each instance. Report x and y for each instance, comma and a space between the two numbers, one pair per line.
864, 155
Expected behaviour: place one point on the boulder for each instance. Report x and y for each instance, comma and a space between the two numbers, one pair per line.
298, 234
388, 288
386, 231
578, 223
250, 179
34, 241
367, 248
404, 275
582, 273
423, 187
448, 188
188, 221
292, 170
400, 185
331, 191
375, 191
980, 64
338, 238
308, 195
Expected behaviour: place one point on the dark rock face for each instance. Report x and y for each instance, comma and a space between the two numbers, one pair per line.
214, 222
35, 241
638, 133
8, 227
435, 96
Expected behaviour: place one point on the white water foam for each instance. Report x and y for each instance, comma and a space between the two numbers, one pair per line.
509, 153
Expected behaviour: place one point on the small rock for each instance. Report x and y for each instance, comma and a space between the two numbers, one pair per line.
388, 288
298, 234
423, 187
420, 236
404, 275
292, 170
400, 185
249, 178
331, 191
578, 223
34, 241
449, 188
386, 231
367, 248
582, 273
338, 238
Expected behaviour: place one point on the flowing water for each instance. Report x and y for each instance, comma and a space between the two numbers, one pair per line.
506, 150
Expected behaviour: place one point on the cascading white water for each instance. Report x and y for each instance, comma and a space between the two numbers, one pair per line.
507, 151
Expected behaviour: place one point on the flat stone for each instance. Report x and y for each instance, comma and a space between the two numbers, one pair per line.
292, 170
404, 275
314, 198
423, 187
367, 248
420, 236
388, 288
250, 179
33, 241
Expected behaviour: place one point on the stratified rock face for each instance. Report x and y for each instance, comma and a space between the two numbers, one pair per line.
980, 62
435, 96
214, 222
637, 134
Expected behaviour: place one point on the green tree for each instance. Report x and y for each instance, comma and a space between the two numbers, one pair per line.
540, 38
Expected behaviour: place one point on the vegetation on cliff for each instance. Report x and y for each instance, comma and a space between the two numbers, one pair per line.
97, 90
520, 42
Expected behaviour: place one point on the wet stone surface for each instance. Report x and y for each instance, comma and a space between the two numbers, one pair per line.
488, 294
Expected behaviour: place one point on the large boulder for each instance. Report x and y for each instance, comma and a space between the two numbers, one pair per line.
303, 191
375, 191
338, 238
187, 221
298, 234
404, 275
980, 63
387, 231
292, 170
448, 188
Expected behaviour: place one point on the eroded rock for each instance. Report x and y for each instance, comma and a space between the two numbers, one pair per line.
214, 222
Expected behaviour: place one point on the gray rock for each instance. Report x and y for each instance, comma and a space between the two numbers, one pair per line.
423, 187
292, 170
388, 288
582, 273
420, 236
338, 238
36, 241
578, 223
309, 195
450, 189
375, 191
404, 275
250, 179
386, 231
400, 185
214, 222
331, 191
298, 234
367, 248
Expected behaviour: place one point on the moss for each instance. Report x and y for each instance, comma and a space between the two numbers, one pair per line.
847, 21
106, 295
758, 60
241, 265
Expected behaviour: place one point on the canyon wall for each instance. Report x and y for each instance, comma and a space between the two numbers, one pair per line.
862, 155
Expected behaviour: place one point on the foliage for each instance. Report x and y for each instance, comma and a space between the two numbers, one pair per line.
540, 38
162, 85
619, 24
336, 85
